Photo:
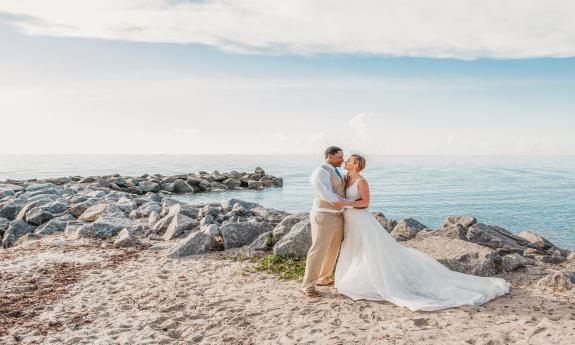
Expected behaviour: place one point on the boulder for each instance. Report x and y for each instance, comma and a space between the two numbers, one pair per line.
78, 209
558, 281
182, 187
126, 205
262, 243
232, 183
537, 240
195, 243
297, 242
11, 209
4, 222
268, 214
278, 181
7, 189
146, 209
38, 215
211, 229
455, 231
229, 204
388, 225
103, 228
22, 214
239, 234
407, 229
149, 187
496, 237
56, 207
16, 229
464, 221
285, 226
218, 185
257, 185
459, 255
51, 227
513, 261
178, 226
124, 239
99, 210
208, 219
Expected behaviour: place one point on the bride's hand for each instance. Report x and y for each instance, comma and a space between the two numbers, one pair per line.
340, 203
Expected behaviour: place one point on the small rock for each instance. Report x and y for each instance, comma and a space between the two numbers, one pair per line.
124, 239
464, 221
513, 261
15, 230
178, 226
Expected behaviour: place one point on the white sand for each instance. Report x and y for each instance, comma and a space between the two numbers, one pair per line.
146, 298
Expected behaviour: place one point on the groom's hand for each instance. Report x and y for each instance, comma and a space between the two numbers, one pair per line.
340, 203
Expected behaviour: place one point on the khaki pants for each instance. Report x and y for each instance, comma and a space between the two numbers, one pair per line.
326, 234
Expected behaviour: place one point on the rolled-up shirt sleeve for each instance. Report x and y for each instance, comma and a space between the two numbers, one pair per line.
320, 182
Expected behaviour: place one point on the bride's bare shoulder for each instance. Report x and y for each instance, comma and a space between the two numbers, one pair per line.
362, 180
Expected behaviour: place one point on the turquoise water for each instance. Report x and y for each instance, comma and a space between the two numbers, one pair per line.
516, 192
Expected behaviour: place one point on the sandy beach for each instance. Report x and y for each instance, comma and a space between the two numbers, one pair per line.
80, 292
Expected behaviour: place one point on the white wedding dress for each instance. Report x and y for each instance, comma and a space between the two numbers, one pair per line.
373, 266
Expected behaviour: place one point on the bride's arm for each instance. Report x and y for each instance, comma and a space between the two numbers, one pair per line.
363, 200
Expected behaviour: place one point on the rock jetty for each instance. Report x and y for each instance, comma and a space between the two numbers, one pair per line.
132, 211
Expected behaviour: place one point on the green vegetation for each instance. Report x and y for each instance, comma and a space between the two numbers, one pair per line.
284, 267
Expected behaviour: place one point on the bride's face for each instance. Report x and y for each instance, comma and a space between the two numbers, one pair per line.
350, 164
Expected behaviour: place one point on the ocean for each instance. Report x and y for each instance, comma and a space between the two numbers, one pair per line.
515, 192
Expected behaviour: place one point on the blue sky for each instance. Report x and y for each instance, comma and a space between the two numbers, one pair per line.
72, 88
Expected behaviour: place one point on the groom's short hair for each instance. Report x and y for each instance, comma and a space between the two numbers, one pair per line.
332, 150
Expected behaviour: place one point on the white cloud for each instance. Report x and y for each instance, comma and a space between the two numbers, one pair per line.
464, 29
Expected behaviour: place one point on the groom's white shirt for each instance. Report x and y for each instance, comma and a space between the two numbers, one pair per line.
321, 183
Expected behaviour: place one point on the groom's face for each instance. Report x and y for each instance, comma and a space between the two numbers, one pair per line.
336, 159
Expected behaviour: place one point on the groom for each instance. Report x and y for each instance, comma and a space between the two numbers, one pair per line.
326, 222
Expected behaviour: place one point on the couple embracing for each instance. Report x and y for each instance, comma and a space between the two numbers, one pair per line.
371, 265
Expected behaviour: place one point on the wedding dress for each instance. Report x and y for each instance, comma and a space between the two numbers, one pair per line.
373, 266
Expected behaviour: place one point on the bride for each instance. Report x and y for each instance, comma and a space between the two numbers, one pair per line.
373, 266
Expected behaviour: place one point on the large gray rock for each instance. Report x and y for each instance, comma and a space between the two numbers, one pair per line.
407, 229
148, 186
179, 186
196, 243
387, 224
535, 239
513, 261
229, 204
15, 230
100, 210
56, 207
72, 227
22, 214
178, 226
4, 222
495, 237
458, 255
269, 214
237, 235
465, 221
79, 208
51, 227
38, 215
262, 243
146, 209
257, 185
455, 231
297, 242
11, 209
9, 189
103, 228
232, 183
558, 281
285, 226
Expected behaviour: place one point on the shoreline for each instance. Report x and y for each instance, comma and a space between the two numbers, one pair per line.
113, 266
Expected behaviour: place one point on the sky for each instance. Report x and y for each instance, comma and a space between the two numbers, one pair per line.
444, 77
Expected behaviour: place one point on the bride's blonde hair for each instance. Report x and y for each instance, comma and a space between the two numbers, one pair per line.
360, 161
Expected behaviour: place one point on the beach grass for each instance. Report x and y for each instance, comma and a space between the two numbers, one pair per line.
284, 267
